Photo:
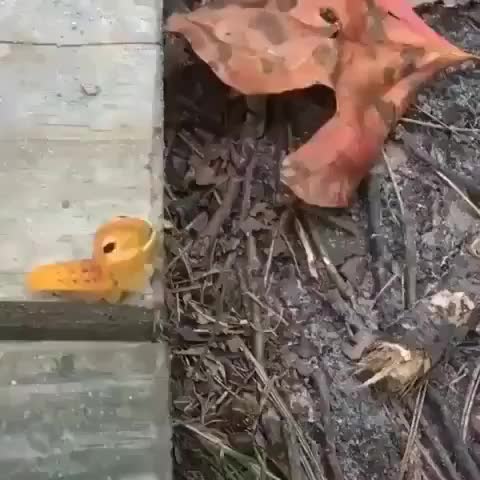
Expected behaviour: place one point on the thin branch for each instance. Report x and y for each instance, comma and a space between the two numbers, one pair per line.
224, 449
413, 431
310, 462
409, 233
439, 126
310, 255
470, 398
459, 191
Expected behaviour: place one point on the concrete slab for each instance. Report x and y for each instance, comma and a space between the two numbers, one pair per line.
84, 411
63, 22
81, 141
80, 101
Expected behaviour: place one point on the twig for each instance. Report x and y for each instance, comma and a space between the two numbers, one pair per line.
320, 381
409, 233
268, 263
293, 452
311, 259
385, 287
459, 191
453, 129
266, 307
222, 285
424, 452
376, 237
292, 253
442, 453
451, 178
280, 136
310, 463
182, 255
182, 136
262, 402
412, 433
467, 409
276, 232
431, 463
258, 334
205, 316
226, 450
440, 126
343, 286
213, 227
463, 456
247, 186
355, 314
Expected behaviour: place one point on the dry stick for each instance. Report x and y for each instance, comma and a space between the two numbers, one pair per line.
467, 409
321, 383
269, 309
459, 191
247, 187
424, 452
343, 286
409, 233
292, 253
428, 458
361, 318
311, 465
258, 334
453, 129
276, 233
376, 240
213, 227
311, 258
293, 452
449, 177
412, 434
385, 287
262, 403
462, 454
182, 255
443, 454
225, 449
222, 285
440, 126
268, 263
189, 143
280, 126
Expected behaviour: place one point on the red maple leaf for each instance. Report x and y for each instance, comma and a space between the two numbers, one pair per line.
375, 54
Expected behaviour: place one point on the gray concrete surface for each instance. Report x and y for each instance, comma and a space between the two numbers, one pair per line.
80, 142
79, 102
84, 411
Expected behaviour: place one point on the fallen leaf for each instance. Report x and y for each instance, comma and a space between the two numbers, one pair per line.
375, 54
122, 258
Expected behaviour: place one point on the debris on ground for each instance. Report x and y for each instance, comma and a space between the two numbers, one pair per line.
275, 304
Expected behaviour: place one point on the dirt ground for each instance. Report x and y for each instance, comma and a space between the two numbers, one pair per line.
238, 269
